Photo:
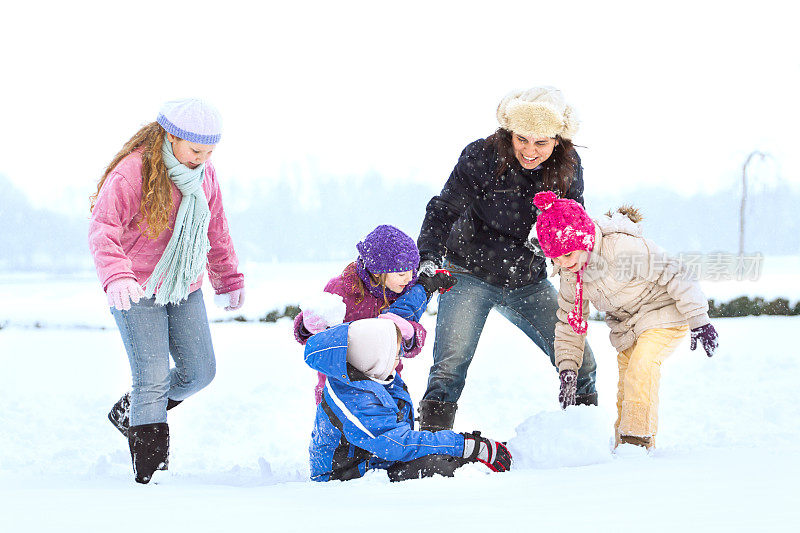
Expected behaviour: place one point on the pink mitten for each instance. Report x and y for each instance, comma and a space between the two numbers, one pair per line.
235, 299
321, 378
121, 292
313, 322
406, 329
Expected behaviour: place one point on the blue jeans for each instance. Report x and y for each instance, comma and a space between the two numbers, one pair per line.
462, 315
151, 333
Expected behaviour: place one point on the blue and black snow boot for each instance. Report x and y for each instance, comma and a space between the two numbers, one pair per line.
425, 466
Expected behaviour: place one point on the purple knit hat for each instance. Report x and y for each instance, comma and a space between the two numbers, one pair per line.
386, 249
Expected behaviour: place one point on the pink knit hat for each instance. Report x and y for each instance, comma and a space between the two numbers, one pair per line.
563, 227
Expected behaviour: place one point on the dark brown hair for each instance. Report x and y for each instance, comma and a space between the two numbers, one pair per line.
156, 202
557, 172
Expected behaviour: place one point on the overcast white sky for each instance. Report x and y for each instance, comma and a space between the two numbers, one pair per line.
674, 96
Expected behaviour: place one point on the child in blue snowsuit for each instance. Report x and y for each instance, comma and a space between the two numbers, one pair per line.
365, 419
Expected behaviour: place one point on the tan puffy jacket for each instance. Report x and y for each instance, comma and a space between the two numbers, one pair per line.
634, 282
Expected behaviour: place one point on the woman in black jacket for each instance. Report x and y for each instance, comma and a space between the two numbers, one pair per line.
481, 228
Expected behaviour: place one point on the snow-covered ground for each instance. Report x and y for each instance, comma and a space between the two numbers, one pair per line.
727, 460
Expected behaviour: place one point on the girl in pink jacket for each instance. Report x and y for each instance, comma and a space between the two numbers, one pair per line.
157, 225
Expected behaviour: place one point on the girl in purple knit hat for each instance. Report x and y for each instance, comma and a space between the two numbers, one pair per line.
381, 282
648, 300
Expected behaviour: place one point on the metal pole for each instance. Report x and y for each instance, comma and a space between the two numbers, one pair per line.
744, 197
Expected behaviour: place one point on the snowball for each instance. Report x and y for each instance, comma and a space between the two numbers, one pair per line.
581, 435
329, 306
222, 300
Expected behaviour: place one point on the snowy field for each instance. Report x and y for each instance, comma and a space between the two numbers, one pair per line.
727, 460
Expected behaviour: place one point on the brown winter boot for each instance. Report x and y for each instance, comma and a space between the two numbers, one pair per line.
644, 442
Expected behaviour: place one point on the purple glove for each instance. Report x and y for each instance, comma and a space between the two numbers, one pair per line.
121, 292
569, 387
313, 322
708, 337
405, 327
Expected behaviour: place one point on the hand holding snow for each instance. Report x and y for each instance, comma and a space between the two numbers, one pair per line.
230, 301
323, 311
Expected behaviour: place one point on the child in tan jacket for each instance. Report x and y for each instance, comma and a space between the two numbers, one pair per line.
648, 299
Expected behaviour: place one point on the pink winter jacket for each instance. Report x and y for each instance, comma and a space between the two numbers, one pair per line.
117, 238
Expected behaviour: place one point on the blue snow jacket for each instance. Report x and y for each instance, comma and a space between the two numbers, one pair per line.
360, 423
411, 305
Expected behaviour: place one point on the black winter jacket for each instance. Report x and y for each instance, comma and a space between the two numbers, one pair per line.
481, 222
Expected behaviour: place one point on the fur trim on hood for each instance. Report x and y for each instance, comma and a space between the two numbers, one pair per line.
625, 220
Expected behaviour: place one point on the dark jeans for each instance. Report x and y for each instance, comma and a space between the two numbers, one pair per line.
425, 466
462, 315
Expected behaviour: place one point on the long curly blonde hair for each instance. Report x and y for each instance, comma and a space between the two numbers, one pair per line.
156, 203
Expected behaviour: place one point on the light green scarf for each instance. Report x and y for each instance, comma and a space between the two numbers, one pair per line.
186, 254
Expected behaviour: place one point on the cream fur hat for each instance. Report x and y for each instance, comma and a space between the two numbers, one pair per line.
537, 112
372, 346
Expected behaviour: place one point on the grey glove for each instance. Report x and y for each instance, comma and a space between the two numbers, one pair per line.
427, 268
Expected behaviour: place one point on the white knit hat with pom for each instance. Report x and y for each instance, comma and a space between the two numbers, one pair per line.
537, 112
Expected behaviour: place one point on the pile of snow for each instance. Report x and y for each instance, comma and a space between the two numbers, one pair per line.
578, 436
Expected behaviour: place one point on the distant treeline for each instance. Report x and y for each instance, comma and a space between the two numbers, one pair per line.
738, 307
745, 306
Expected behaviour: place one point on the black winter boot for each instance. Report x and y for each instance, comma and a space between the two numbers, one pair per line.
120, 414
436, 416
149, 444
586, 399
